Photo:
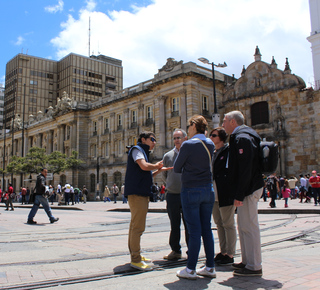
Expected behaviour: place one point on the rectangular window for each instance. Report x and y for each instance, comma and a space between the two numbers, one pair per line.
106, 123
133, 116
205, 105
119, 120
149, 112
175, 104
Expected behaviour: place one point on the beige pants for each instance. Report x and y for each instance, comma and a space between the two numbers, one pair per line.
224, 219
249, 231
139, 209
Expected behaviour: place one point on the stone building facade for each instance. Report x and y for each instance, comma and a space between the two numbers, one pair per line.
275, 102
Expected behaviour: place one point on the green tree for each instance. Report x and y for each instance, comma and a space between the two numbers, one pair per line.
36, 159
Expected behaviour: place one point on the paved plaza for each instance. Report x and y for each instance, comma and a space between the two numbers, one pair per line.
87, 249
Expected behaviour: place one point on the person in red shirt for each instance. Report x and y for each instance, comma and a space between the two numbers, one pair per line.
10, 197
23, 195
315, 184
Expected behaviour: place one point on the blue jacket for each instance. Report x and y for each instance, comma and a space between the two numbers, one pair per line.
138, 181
194, 163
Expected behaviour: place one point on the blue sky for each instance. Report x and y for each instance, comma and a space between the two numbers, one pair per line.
144, 33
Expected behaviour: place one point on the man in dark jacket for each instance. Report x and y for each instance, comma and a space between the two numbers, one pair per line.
138, 183
247, 183
41, 198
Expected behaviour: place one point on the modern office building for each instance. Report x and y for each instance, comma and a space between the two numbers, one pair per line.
1, 107
34, 84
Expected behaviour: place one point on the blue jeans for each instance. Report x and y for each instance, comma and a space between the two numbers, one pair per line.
197, 205
39, 199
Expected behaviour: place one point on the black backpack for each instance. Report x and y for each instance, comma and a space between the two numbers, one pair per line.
269, 156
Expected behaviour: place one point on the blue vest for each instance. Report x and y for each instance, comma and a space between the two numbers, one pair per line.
138, 181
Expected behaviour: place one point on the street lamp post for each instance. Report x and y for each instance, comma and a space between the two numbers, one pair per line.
215, 115
98, 189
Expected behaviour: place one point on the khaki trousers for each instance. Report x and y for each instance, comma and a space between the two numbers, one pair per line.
249, 231
139, 209
224, 219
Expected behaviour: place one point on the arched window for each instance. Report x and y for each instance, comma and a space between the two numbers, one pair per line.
259, 113
117, 178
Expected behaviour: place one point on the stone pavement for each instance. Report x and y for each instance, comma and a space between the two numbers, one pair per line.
90, 240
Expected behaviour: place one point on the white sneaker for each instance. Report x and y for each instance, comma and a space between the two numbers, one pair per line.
184, 274
207, 273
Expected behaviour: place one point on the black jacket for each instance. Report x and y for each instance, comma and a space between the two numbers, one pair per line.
40, 184
244, 165
221, 176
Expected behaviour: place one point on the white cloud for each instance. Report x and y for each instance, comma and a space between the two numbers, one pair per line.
55, 8
19, 41
188, 29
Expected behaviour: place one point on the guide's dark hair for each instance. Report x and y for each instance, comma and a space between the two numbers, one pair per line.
145, 135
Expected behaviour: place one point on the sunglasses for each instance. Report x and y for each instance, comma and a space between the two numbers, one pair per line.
153, 139
214, 135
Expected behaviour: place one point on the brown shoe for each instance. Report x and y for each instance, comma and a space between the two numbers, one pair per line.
247, 272
238, 265
173, 256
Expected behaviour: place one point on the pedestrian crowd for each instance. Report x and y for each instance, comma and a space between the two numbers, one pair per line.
203, 178
306, 188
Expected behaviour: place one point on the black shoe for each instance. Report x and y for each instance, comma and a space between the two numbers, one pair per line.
54, 220
247, 272
218, 258
226, 260
31, 222
238, 265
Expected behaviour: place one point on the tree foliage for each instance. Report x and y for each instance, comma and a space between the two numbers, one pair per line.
36, 159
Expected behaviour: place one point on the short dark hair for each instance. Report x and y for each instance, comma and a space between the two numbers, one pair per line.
221, 133
145, 135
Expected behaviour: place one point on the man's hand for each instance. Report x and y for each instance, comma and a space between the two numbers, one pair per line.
238, 203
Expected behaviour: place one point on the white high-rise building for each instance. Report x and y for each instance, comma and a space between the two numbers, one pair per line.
314, 39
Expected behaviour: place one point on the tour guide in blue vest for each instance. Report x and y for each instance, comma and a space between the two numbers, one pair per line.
138, 183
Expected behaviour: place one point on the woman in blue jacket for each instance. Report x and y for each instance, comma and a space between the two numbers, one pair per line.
197, 197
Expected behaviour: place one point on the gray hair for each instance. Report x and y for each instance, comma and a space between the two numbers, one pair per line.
184, 133
237, 116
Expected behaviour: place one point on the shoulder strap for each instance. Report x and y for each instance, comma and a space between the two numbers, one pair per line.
208, 153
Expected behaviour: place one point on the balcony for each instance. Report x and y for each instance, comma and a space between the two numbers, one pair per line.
134, 125
149, 122
174, 114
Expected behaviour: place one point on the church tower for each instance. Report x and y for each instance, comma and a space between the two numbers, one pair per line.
314, 39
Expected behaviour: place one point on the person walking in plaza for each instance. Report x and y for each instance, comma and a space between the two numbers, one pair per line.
303, 188
138, 182
67, 190
174, 207
40, 199
247, 184
84, 194
292, 185
315, 184
23, 195
59, 193
273, 188
223, 208
124, 199
194, 162
115, 192
106, 194
10, 197
76, 191
286, 193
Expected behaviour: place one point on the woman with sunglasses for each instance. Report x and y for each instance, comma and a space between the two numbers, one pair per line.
223, 208
197, 197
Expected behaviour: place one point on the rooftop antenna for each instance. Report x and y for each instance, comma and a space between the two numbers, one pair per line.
89, 36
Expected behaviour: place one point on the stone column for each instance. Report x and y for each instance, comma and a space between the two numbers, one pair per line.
183, 109
162, 120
